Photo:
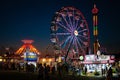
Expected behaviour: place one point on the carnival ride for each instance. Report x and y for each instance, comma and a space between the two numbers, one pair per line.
69, 31
28, 53
27, 46
95, 29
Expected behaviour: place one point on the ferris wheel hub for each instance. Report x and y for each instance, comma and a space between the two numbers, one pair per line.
76, 33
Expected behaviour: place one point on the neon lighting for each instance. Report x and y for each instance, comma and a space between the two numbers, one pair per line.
94, 10
27, 46
96, 32
96, 20
93, 20
76, 33
95, 28
81, 57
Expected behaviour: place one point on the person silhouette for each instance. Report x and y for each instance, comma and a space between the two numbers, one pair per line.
109, 74
46, 71
40, 72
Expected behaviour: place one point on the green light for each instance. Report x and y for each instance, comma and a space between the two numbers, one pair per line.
95, 28
81, 57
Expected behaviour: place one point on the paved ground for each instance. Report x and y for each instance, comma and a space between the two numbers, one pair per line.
15, 75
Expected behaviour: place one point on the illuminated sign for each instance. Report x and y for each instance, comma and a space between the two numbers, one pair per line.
30, 56
104, 57
90, 58
97, 58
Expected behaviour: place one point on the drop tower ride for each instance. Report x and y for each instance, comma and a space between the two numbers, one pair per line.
96, 45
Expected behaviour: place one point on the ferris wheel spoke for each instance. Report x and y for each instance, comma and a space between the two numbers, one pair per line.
76, 45
63, 34
76, 25
83, 36
82, 30
79, 44
75, 42
71, 42
81, 25
78, 28
69, 15
67, 24
83, 42
73, 19
70, 23
64, 27
65, 41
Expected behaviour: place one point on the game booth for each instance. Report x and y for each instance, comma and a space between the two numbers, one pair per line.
95, 62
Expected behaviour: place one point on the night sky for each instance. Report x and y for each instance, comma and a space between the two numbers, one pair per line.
31, 19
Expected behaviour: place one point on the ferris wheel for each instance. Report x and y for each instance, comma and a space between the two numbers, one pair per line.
69, 30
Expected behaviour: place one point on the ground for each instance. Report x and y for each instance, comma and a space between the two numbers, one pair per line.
15, 75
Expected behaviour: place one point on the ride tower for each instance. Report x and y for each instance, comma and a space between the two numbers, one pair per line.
96, 45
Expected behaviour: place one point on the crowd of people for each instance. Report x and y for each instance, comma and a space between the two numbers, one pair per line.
17, 66
9, 66
45, 70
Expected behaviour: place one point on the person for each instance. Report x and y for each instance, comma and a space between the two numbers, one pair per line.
66, 68
40, 72
59, 68
85, 70
46, 71
109, 74
102, 71
118, 71
53, 70
19, 68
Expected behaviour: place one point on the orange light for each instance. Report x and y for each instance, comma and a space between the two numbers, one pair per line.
50, 60
4, 60
44, 60
96, 20
96, 32
0, 60
93, 20
59, 59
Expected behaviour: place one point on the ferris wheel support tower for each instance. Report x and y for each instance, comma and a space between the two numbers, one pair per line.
96, 44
